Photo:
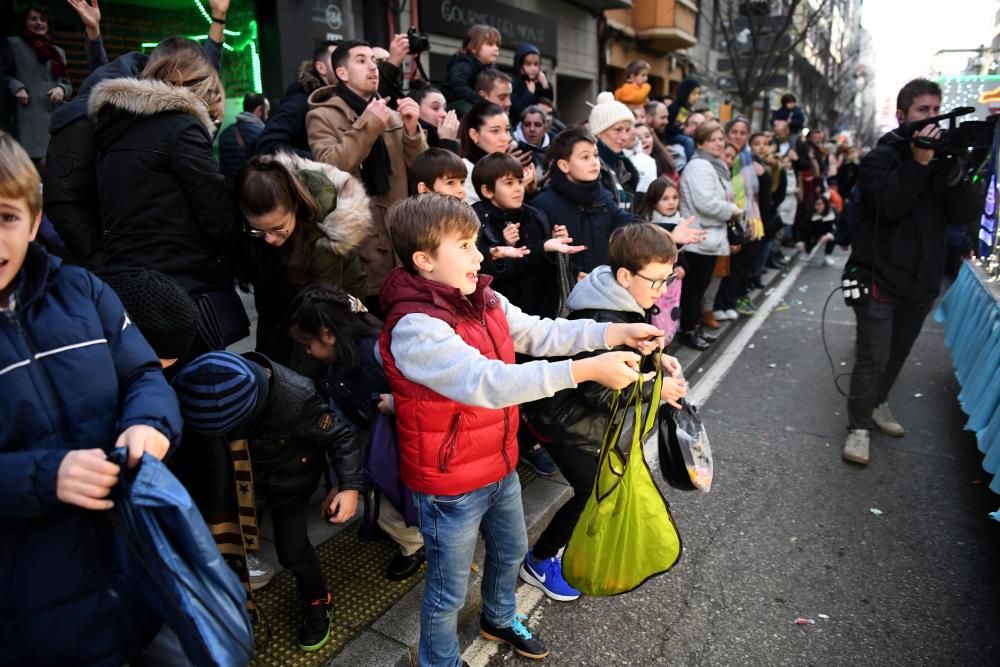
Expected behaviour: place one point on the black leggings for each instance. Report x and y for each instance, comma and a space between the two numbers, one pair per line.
699, 275
579, 468
288, 493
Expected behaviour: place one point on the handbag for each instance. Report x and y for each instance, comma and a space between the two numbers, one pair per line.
222, 318
684, 449
734, 232
625, 535
382, 467
167, 551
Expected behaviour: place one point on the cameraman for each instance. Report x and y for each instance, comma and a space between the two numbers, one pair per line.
909, 198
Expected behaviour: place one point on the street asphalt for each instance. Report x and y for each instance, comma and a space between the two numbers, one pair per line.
897, 563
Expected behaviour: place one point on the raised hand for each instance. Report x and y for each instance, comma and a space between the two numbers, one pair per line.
448, 127
399, 48
562, 245
634, 335
508, 252
219, 8
512, 233
90, 14
682, 234
409, 110
380, 108
615, 370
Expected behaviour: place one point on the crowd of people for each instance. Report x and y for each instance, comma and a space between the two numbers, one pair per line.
413, 256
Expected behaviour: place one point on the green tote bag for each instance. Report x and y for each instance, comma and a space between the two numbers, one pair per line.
625, 535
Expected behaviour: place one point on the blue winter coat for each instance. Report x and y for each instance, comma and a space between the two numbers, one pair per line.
74, 372
589, 223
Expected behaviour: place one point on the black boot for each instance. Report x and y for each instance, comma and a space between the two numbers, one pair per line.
403, 567
693, 340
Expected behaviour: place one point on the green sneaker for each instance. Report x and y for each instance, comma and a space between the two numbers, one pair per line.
316, 618
745, 307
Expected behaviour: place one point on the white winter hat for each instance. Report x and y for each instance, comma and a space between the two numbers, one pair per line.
607, 112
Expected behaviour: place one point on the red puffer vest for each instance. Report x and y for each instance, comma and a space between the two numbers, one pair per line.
446, 447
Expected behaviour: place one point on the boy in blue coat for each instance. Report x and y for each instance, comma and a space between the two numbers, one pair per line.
77, 379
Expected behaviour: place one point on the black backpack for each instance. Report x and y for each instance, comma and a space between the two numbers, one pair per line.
849, 220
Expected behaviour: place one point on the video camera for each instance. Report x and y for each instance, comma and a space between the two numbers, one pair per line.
970, 142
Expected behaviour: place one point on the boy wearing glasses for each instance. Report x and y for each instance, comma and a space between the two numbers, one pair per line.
640, 268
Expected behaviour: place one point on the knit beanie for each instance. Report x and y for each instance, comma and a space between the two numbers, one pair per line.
156, 303
221, 393
607, 112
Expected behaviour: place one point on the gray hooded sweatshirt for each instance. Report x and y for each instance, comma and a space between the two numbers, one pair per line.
427, 351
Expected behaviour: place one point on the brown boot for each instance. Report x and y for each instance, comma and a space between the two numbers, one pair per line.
708, 319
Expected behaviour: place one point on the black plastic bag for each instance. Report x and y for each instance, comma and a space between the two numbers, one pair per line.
685, 453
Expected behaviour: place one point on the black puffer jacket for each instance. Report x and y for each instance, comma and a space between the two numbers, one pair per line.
459, 83
906, 209
286, 128
163, 203
578, 417
532, 282
294, 430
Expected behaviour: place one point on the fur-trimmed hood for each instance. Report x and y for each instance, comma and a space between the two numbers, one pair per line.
147, 97
308, 78
347, 226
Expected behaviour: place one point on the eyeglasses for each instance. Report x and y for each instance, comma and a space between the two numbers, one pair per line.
659, 282
279, 232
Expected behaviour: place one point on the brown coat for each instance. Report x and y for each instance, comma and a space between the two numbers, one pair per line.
338, 136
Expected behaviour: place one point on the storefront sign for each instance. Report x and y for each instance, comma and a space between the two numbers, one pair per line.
453, 18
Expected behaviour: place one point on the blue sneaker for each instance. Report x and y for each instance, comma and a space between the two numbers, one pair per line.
547, 575
539, 460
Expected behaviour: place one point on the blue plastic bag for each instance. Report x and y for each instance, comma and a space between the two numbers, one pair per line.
167, 550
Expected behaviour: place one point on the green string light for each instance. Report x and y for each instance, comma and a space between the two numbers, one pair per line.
250, 41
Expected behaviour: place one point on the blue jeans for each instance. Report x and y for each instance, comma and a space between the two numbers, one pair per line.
450, 525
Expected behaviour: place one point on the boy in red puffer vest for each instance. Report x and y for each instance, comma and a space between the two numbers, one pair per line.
448, 350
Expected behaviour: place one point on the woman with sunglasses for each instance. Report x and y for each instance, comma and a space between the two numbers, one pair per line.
305, 222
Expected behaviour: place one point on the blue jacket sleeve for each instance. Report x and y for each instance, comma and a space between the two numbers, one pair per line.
286, 128
28, 483
213, 50
145, 396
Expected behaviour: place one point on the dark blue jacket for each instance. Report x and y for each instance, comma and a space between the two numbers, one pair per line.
589, 221
74, 372
233, 154
521, 98
459, 85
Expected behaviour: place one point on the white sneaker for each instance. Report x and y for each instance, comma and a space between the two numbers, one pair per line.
721, 315
856, 447
827, 260
732, 315
261, 573
886, 422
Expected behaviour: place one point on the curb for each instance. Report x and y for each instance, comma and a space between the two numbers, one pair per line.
392, 640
